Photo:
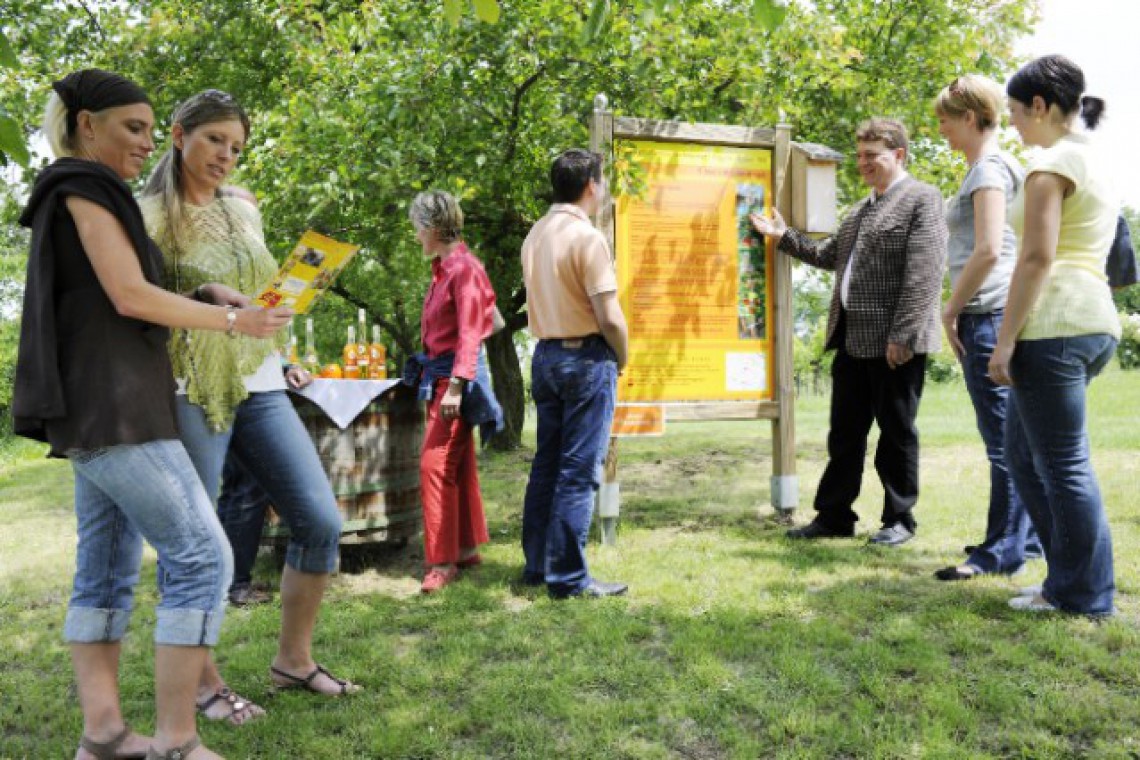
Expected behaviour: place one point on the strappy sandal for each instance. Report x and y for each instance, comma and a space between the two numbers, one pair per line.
181, 752
108, 750
306, 683
236, 704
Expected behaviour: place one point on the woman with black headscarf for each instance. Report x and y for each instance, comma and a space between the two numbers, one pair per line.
93, 380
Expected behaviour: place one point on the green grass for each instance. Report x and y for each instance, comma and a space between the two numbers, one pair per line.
733, 642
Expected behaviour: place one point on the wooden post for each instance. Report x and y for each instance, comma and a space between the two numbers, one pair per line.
609, 497
609, 494
784, 483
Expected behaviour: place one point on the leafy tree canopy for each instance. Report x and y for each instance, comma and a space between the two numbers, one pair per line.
358, 105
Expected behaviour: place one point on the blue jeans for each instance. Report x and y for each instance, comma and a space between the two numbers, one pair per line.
1010, 534
1048, 449
127, 493
574, 388
241, 508
269, 441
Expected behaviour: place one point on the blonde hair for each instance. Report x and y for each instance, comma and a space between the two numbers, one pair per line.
55, 127
206, 107
974, 94
439, 211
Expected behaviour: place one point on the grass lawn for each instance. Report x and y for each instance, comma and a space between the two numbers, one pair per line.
733, 642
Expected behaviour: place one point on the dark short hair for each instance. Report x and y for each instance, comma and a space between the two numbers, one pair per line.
572, 171
1056, 80
891, 132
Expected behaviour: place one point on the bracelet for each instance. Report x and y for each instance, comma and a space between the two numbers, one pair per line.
231, 321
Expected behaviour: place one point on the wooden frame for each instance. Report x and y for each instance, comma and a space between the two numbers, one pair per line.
604, 129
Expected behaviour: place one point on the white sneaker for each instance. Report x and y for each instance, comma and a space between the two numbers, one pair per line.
1029, 591
1034, 603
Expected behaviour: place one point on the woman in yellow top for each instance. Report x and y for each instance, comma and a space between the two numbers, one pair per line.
1060, 330
231, 390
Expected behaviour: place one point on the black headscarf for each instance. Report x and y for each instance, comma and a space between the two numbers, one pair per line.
95, 90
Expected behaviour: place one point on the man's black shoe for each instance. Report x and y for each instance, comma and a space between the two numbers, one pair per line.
896, 534
526, 579
816, 529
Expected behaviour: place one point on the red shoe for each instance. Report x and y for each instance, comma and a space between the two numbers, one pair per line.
467, 562
437, 578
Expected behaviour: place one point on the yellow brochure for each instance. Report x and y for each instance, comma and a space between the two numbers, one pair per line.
307, 273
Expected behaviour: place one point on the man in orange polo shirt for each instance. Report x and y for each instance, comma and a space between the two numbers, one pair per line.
582, 346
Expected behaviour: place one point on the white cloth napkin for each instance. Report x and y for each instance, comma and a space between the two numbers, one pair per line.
343, 400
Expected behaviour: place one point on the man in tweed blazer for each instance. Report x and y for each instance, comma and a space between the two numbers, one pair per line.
888, 260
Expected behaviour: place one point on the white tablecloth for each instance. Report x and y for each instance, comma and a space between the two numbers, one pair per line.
343, 400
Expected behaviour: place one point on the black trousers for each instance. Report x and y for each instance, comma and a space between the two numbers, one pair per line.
862, 391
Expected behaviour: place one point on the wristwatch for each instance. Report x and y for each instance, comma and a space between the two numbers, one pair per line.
231, 321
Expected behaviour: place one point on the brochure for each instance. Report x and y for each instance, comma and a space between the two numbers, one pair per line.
307, 273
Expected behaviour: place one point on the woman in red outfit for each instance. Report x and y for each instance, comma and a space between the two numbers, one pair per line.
458, 314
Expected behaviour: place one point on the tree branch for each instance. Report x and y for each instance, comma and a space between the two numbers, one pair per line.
94, 20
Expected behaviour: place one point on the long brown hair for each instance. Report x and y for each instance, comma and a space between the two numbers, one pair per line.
207, 107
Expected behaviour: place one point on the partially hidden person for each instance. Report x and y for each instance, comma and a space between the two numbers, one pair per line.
452, 376
231, 391
982, 249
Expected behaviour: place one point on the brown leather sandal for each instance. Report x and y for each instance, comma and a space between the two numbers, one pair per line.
109, 750
181, 752
236, 704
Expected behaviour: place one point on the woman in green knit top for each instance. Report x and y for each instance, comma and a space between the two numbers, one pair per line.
1060, 330
231, 389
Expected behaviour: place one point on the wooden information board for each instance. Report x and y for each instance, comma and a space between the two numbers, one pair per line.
708, 304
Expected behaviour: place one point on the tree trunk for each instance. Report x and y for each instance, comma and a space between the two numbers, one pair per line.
506, 375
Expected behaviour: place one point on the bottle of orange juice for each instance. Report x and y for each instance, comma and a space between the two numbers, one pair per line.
362, 352
350, 356
377, 357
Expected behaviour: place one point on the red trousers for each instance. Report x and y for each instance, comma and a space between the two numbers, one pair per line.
449, 486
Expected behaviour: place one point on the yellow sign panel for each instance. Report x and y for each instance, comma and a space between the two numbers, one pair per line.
693, 275
638, 420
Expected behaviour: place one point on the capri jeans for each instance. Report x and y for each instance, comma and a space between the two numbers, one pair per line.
123, 495
268, 439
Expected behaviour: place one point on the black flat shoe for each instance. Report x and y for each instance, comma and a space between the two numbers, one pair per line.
956, 573
815, 529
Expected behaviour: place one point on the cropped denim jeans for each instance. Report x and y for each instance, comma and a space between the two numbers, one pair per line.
269, 441
1010, 534
574, 384
123, 495
1048, 449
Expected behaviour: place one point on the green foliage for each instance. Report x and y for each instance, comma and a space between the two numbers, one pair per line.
8, 57
12, 145
357, 106
1128, 351
943, 366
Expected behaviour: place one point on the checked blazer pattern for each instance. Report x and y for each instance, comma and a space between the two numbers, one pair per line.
896, 282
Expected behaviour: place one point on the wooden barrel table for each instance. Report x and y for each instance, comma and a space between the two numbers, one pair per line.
373, 465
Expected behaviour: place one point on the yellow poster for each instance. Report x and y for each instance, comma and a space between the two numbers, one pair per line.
693, 275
